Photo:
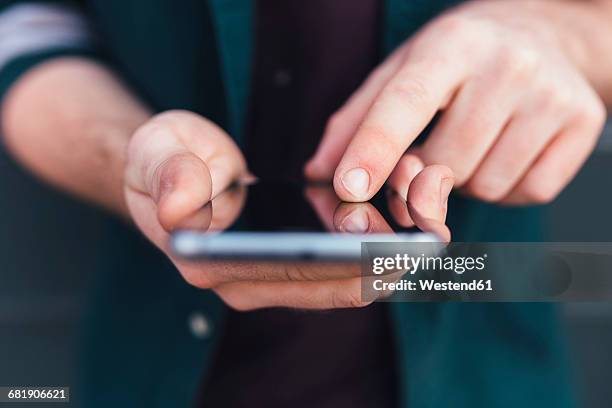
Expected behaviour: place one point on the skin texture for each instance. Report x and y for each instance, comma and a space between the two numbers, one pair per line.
520, 112
178, 161
253, 285
521, 103
161, 172
74, 143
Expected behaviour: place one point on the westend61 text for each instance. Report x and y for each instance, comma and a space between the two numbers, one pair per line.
431, 285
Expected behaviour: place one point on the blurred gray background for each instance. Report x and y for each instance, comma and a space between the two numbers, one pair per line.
582, 213
33, 217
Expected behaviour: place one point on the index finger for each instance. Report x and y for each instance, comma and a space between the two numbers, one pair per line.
402, 110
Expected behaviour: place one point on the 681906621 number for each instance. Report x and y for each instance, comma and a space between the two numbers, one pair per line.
16, 394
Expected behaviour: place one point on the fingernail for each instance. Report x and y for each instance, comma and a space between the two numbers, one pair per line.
357, 182
357, 222
446, 186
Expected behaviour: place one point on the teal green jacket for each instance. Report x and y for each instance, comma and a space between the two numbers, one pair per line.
196, 55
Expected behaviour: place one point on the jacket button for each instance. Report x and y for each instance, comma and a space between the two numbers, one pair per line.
282, 78
199, 325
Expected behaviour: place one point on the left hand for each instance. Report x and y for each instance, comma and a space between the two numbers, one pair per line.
519, 118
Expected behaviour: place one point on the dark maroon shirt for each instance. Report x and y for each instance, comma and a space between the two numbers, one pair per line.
310, 56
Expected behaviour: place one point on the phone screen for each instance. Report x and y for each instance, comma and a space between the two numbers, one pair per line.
297, 207
282, 220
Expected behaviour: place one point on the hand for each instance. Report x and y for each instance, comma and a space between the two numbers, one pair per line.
177, 162
519, 118
252, 285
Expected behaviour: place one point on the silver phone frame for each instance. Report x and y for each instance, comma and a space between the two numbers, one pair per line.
304, 246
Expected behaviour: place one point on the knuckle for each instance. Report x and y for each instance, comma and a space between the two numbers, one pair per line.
538, 193
553, 98
561, 97
518, 62
411, 92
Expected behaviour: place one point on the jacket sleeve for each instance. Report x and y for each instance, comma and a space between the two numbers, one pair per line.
35, 31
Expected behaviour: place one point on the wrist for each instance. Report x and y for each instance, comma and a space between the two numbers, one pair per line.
114, 139
84, 121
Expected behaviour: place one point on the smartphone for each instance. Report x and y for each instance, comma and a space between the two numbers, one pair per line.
292, 221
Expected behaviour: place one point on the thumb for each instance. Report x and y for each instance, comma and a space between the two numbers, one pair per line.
182, 185
181, 160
